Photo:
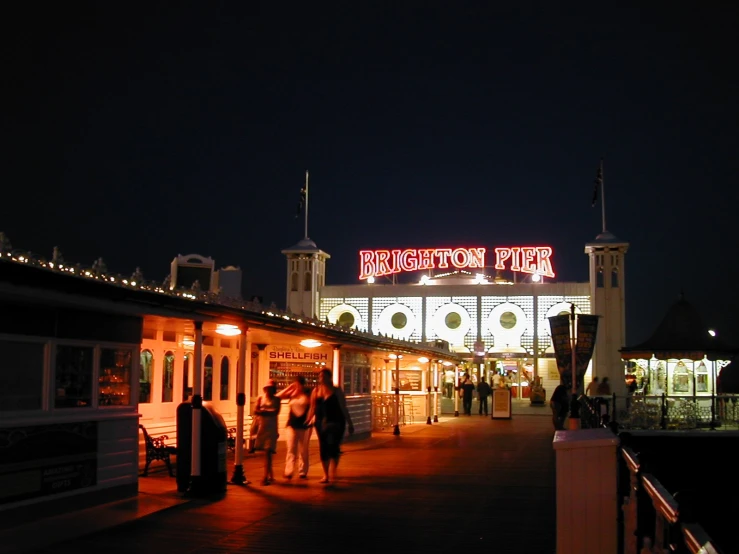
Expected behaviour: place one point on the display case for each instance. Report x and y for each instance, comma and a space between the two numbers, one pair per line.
284, 373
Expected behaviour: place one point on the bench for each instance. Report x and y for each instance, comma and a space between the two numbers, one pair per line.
157, 450
231, 438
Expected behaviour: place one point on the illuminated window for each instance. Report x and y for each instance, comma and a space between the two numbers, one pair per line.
453, 320
145, 374
701, 378
681, 378
208, 378
224, 378
346, 319
399, 320
115, 377
168, 377
508, 320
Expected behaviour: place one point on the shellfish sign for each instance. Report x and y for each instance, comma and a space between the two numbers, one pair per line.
535, 260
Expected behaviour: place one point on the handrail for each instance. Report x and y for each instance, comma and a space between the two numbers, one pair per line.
663, 501
631, 458
697, 540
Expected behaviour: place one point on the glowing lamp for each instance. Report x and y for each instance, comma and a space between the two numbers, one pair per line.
228, 330
310, 343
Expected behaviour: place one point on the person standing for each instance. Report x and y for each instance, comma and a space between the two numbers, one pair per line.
483, 391
297, 429
592, 388
329, 415
559, 403
604, 389
468, 387
267, 409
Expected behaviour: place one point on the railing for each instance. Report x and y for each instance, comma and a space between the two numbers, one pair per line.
661, 412
652, 517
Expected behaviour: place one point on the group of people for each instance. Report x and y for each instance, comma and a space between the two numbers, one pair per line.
561, 399
467, 388
323, 409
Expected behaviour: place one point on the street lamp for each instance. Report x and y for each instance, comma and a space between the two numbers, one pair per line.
397, 357
423, 360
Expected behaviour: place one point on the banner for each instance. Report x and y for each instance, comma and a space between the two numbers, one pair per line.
587, 327
560, 327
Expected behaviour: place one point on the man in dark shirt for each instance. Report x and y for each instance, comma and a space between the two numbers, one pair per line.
468, 387
483, 391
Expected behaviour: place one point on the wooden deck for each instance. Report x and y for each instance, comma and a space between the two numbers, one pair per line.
464, 483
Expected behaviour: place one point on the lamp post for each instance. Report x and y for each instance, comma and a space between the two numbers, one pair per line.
436, 392
423, 360
396, 428
456, 391
574, 420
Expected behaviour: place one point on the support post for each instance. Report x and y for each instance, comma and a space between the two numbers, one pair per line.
196, 480
238, 477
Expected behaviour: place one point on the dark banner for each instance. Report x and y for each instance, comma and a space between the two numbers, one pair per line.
587, 327
560, 327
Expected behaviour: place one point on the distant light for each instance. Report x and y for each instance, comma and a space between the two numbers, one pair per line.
712, 332
423, 359
228, 330
310, 343
536, 277
188, 343
370, 279
424, 279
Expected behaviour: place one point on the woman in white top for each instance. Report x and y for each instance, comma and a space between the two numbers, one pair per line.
297, 430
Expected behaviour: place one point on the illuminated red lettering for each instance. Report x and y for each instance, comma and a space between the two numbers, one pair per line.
543, 261
407, 264
528, 259
501, 255
426, 259
383, 267
443, 254
477, 257
515, 258
366, 264
460, 258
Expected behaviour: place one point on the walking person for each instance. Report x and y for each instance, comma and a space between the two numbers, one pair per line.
329, 415
483, 391
267, 409
468, 387
297, 429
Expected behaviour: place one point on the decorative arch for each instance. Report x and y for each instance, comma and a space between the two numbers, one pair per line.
224, 377
146, 372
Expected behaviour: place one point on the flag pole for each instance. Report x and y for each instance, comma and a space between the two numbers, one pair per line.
602, 196
306, 204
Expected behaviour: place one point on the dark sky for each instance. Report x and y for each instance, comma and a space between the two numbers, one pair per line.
137, 133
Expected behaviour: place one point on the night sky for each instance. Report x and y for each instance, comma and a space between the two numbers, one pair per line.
138, 132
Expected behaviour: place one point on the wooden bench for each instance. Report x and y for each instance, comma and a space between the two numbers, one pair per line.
157, 449
231, 438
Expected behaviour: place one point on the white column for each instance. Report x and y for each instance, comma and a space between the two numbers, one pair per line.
336, 369
244, 346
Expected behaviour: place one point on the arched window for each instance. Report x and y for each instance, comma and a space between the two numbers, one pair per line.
145, 374
168, 377
224, 378
308, 278
186, 381
294, 281
208, 380
614, 278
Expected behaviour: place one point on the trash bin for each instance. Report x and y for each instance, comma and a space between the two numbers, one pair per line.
213, 436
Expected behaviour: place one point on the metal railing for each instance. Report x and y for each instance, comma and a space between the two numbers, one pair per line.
652, 517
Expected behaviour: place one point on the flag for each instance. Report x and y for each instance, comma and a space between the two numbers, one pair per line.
598, 184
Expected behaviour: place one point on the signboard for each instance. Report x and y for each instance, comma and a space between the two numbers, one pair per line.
409, 380
535, 260
501, 408
47, 459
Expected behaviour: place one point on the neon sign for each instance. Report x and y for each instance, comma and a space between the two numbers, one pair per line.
535, 260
